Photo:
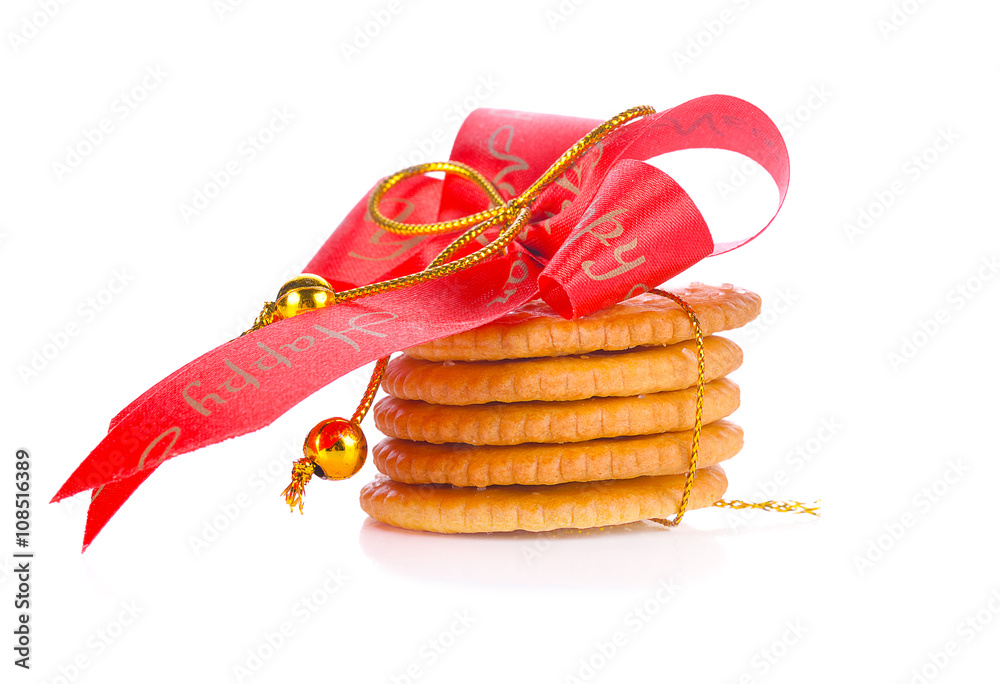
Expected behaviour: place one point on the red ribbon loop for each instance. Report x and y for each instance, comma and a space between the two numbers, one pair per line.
605, 258
609, 227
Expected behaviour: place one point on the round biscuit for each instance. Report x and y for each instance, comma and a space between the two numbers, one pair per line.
615, 458
649, 319
579, 505
627, 373
554, 421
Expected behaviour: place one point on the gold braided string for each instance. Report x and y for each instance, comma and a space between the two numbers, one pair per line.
366, 401
500, 211
512, 216
699, 405
779, 506
265, 317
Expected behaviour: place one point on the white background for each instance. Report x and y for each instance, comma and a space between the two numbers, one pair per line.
880, 589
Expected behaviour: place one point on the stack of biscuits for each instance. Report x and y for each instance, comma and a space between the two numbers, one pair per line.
534, 422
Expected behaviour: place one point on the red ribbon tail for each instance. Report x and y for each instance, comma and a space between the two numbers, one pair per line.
105, 502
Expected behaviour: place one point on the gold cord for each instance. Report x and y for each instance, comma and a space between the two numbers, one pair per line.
264, 318
513, 215
699, 405
779, 506
366, 401
499, 211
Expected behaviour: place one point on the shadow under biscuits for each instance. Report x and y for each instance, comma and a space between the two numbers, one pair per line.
639, 554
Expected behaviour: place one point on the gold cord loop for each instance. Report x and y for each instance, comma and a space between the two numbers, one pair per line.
512, 215
500, 211
455, 168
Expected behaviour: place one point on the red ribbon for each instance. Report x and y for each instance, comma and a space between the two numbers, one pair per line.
609, 228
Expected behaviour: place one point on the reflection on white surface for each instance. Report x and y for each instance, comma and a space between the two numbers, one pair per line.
637, 554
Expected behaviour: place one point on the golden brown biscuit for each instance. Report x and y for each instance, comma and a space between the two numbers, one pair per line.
616, 458
644, 370
647, 320
554, 421
443, 508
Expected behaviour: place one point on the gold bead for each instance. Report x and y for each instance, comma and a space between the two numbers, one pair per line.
303, 293
338, 448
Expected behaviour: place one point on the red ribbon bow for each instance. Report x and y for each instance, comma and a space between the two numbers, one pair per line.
608, 228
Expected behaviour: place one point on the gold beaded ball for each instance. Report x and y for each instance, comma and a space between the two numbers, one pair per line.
303, 293
337, 447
